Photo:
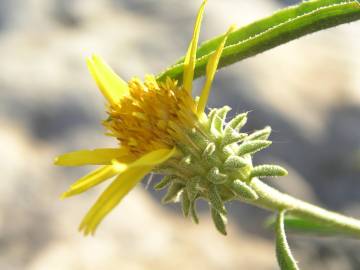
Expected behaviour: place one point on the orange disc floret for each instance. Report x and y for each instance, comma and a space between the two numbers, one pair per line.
152, 116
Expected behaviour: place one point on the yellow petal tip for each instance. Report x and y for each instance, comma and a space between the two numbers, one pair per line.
211, 69
190, 58
56, 161
232, 28
97, 58
110, 84
65, 195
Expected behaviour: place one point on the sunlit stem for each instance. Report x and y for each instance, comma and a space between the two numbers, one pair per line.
272, 199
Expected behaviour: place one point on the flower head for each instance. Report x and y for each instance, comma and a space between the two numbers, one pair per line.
161, 128
152, 116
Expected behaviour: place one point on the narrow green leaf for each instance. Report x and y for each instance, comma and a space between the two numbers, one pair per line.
306, 226
219, 221
185, 204
193, 212
285, 259
164, 182
281, 27
244, 191
209, 150
219, 118
234, 163
216, 177
236, 123
172, 193
268, 171
211, 116
262, 134
251, 147
215, 200
192, 187
232, 136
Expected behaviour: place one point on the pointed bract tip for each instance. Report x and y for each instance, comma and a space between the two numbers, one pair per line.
56, 161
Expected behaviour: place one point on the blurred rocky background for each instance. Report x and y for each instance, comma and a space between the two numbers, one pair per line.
307, 90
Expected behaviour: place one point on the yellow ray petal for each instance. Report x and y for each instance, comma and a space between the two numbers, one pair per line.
210, 72
121, 186
112, 197
154, 158
190, 58
110, 84
94, 178
100, 156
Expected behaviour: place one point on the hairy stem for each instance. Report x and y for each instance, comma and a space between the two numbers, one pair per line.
272, 199
281, 27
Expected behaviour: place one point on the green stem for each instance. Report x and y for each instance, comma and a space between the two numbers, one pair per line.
281, 27
272, 199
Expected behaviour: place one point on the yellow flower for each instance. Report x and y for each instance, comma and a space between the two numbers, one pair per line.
156, 124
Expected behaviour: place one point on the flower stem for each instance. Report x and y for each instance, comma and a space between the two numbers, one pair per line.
272, 199
283, 26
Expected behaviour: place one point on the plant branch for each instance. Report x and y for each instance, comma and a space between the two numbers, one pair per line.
272, 199
281, 27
